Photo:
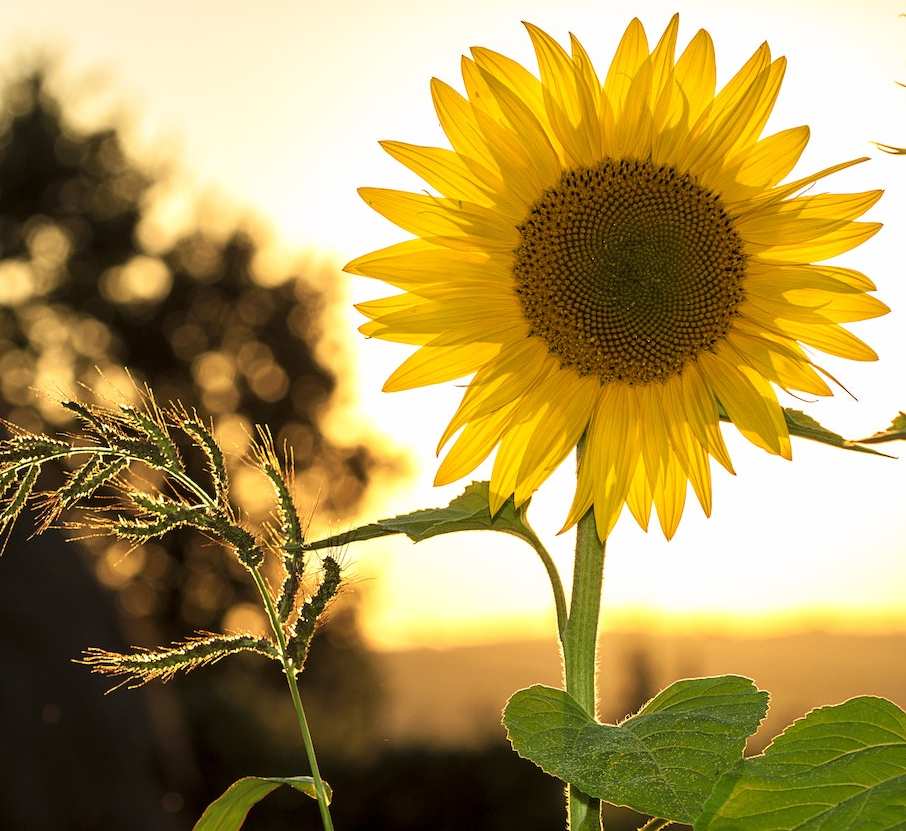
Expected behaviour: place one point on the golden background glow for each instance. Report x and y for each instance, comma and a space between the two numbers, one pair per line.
277, 106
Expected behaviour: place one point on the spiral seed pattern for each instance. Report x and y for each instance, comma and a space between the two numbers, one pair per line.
628, 270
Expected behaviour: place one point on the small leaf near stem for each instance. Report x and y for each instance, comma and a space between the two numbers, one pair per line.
228, 812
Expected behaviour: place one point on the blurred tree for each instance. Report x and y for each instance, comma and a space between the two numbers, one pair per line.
80, 293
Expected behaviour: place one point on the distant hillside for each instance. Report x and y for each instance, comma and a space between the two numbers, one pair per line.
453, 698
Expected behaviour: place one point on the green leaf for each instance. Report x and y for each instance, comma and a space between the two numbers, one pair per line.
664, 761
896, 431
470, 511
229, 811
805, 427
838, 767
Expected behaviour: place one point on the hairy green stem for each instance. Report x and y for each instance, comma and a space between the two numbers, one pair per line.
580, 640
289, 670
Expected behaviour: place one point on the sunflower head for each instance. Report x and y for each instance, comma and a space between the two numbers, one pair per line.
621, 260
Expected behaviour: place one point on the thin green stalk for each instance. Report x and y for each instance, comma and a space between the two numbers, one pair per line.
289, 670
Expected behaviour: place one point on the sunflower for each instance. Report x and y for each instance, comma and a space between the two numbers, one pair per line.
618, 261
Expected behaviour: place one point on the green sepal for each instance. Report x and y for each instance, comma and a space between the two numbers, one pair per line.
228, 812
663, 761
838, 767
470, 511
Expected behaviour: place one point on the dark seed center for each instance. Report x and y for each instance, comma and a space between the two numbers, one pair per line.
628, 270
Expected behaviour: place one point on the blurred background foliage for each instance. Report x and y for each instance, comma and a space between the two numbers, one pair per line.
82, 301
94, 303
88, 308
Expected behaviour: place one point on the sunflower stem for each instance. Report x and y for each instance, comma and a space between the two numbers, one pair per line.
580, 640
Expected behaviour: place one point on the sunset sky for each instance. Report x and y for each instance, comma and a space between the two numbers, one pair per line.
276, 107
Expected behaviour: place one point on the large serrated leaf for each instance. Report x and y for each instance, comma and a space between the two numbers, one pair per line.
470, 511
228, 812
840, 767
664, 761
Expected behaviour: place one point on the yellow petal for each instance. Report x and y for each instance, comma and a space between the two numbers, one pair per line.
718, 130
630, 55
828, 337
670, 497
464, 308
478, 438
612, 452
783, 278
515, 77
704, 419
751, 405
814, 306
455, 178
761, 166
632, 129
448, 222
567, 104
521, 366
748, 134
457, 118
785, 191
557, 432
804, 218
415, 263
640, 497
662, 60
785, 366
821, 248
689, 453
696, 75
525, 122
438, 364
699, 472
